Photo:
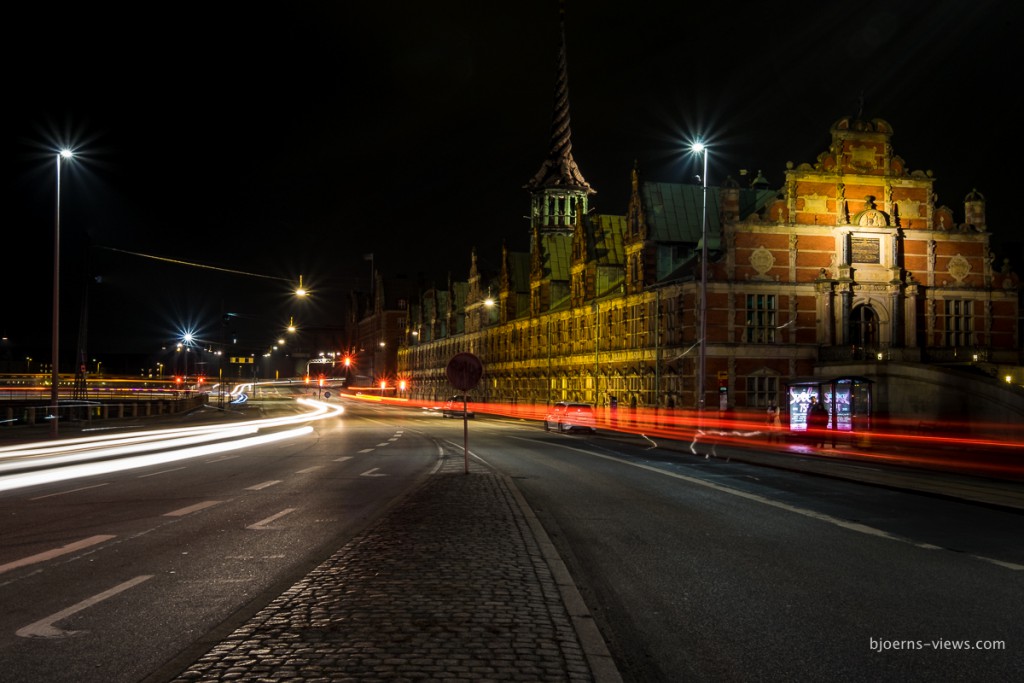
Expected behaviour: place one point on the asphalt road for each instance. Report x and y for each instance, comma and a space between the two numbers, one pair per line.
106, 577
694, 569
707, 570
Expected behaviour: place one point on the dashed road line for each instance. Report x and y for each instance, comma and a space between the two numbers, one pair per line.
62, 493
181, 512
153, 474
266, 484
262, 524
56, 552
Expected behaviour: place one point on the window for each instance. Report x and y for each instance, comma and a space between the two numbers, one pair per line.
959, 323
762, 390
761, 316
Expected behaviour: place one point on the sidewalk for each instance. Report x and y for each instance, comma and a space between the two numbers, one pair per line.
458, 582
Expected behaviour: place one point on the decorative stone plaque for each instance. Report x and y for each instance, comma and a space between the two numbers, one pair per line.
762, 260
959, 268
865, 250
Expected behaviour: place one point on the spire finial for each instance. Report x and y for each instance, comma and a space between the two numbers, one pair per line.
559, 169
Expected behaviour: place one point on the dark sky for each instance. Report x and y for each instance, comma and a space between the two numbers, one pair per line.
293, 140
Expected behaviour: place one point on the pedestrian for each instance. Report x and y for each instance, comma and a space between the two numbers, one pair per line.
774, 423
817, 421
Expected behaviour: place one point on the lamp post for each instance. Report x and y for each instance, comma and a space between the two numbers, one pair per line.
701, 148
55, 341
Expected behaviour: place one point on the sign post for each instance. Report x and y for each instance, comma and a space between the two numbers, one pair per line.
464, 371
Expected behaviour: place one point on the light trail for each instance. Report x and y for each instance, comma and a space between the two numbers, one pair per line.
173, 445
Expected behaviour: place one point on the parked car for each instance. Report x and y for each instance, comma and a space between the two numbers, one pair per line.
566, 416
455, 406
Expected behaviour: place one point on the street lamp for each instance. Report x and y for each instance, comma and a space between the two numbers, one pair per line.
701, 148
54, 373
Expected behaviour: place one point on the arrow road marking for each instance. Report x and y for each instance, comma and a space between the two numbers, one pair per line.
44, 628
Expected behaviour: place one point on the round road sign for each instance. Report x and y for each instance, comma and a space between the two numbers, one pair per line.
464, 371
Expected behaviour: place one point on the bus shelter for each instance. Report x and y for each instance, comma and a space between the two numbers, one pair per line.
847, 400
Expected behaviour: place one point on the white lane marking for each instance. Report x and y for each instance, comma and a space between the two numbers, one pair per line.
181, 512
153, 474
221, 459
61, 493
384, 443
372, 473
56, 552
828, 519
257, 487
44, 628
309, 469
1007, 565
366, 450
262, 524
343, 458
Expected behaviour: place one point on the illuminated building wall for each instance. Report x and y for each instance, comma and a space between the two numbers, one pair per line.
850, 264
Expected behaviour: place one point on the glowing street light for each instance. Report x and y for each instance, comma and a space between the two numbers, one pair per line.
54, 372
700, 148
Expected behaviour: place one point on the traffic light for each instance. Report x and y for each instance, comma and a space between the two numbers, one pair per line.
348, 361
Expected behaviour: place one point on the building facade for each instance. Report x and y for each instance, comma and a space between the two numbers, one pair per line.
848, 267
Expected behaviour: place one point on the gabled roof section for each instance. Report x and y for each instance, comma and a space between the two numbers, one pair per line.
753, 201
605, 236
557, 251
519, 271
559, 169
674, 211
460, 290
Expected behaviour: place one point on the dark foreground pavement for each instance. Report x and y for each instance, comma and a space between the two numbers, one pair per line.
458, 582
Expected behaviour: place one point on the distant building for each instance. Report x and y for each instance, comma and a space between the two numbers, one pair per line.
850, 268
377, 327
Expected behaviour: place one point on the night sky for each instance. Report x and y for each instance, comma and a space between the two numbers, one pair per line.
291, 141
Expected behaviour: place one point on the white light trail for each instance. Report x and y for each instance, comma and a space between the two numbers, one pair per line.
174, 445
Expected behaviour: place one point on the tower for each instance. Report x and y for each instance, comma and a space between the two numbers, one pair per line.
558, 191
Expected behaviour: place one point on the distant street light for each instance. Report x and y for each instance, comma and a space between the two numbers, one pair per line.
701, 148
54, 373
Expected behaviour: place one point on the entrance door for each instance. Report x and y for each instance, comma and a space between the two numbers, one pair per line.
864, 327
